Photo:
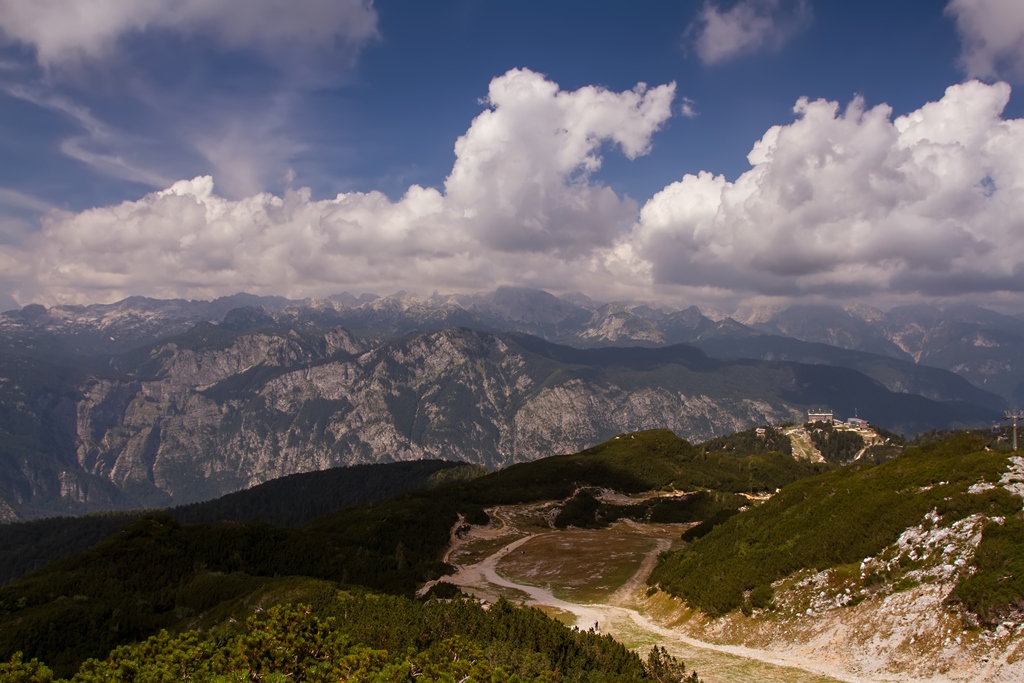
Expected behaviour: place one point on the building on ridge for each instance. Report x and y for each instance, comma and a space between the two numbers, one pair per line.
820, 416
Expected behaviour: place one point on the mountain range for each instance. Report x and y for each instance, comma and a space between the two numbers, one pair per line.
149, 403
981, 345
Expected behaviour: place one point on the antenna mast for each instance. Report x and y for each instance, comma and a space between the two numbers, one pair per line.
1014, 415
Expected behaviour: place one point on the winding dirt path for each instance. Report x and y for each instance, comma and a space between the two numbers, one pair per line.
620, 618
625, 596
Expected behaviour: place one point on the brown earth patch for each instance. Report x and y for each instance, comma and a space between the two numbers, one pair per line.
579, 565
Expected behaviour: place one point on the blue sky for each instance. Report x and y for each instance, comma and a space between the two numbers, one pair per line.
292, 115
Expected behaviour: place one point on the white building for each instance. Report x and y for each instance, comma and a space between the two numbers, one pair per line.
820, 416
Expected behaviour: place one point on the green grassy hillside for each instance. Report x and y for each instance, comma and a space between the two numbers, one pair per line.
643, 461
843, 516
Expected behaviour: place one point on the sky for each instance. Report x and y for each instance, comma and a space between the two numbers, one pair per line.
721, 153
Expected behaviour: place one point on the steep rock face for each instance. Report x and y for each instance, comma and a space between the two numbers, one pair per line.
834, 326
559, 419
206, 367
38, 469
218, 409
7, 512
212, 420
615, 324
153, 438
984, 347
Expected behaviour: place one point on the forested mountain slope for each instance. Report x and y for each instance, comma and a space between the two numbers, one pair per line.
909, 570
838, 518
355, 636
290, 501
886, 553
158, 573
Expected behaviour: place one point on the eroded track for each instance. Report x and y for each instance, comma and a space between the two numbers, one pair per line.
529, 563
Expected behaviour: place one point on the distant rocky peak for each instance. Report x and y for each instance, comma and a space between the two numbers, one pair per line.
340, 339
752, 315
31, 312
714, 314
692, 315
248, 318
522, 304
399, 301
348, 300
582, 300
241, 299
866, 313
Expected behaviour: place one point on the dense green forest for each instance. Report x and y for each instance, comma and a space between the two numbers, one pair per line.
750, 442
585, 511
357, 636
835, 445
854, 512
289, 501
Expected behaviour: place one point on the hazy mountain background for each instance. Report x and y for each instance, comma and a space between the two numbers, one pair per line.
146, 402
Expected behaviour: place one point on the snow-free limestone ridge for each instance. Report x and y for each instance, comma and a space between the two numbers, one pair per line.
224, 407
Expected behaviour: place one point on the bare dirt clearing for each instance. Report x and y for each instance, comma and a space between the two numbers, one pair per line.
597, 579
583, 566
802, 446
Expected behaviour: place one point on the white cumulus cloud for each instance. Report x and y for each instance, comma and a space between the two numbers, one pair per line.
853, 203
719, 35
520, 206
992, 32
522, 173
70, 30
